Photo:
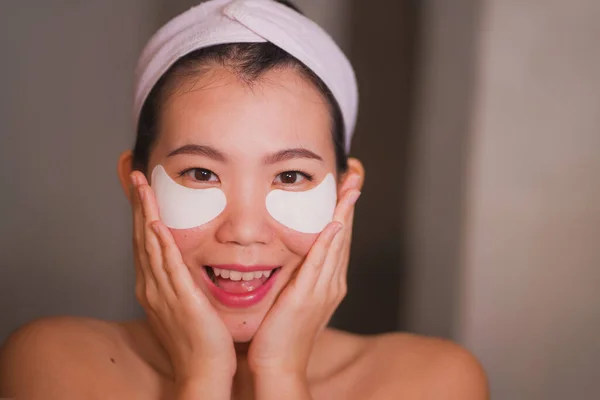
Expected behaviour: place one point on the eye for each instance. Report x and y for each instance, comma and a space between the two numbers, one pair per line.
292, 177
200, 175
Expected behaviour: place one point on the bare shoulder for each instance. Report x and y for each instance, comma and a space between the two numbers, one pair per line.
61, 357
395, 365
424, 367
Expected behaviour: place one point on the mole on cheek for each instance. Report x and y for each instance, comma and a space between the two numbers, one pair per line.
113, 360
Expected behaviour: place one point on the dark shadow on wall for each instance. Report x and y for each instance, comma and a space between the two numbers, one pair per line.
383, 47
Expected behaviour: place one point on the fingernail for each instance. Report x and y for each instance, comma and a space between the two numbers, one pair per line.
354, 180
155, 228
338, 227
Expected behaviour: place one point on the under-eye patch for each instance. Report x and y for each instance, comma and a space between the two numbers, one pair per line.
307, 212
182, 207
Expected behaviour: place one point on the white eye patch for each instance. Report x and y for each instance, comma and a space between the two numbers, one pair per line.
306, 212
182, 207
185, 208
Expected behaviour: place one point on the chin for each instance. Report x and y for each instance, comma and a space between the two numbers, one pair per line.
242, 327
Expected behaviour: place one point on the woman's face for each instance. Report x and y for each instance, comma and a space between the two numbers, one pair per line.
246, 140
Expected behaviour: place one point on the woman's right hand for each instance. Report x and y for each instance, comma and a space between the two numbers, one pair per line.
198, 342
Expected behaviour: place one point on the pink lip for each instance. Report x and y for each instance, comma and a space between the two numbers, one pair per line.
241, 300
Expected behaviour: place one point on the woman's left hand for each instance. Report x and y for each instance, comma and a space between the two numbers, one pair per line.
282, 346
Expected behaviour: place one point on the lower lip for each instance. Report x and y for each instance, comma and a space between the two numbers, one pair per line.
244, 300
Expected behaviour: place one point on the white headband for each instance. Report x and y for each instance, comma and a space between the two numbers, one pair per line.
249, 21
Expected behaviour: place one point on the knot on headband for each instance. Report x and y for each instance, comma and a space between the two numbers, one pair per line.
250, 21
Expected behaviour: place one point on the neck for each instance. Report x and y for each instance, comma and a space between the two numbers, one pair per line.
149, 346
242, 385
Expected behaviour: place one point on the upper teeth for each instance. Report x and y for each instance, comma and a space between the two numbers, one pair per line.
237, 275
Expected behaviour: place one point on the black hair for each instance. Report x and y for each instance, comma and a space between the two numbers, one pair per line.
249, 61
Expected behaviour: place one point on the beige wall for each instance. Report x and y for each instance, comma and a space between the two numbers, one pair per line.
443, 106
65, 114
332, 15
503, 234
529, 285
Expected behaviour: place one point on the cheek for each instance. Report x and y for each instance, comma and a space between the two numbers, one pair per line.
297, 242
188, 240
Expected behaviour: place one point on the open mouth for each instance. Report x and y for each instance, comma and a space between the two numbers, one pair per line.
238, 282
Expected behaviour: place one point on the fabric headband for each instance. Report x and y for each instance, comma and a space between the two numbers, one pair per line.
250, 21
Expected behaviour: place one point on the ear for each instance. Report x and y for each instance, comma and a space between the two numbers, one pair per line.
124, 169
354, 177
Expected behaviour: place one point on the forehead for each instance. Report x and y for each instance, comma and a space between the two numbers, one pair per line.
279, 110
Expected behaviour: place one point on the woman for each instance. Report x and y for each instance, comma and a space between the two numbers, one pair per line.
242, 196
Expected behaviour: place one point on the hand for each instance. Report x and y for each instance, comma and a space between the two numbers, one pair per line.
196, 339
284, 341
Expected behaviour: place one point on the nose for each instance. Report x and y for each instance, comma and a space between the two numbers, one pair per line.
245, 220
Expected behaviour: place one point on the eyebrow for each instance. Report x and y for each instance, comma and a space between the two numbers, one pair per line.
290, 154
211, 152
199, 150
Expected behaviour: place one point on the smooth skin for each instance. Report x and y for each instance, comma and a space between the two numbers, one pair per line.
190, 346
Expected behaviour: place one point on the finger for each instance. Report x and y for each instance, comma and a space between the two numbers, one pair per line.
341, 273
310, 269
342, 214
152, 245
140, 257
347, 246
347, 240
157, 261
139, 178
149, 289
346, 205
179, 275
149, 204
140, 280
342, 269
353, 181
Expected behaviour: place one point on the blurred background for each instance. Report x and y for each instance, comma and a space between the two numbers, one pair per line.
479, 128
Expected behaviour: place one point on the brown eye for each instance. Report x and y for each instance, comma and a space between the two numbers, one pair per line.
292, 178
201, 175
289, 177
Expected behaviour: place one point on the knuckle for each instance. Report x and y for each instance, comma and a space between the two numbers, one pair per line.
140, 286
152, 297
168, 267
342, 295
332, 303
139, 295
343, 290
137, 236
147, 246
